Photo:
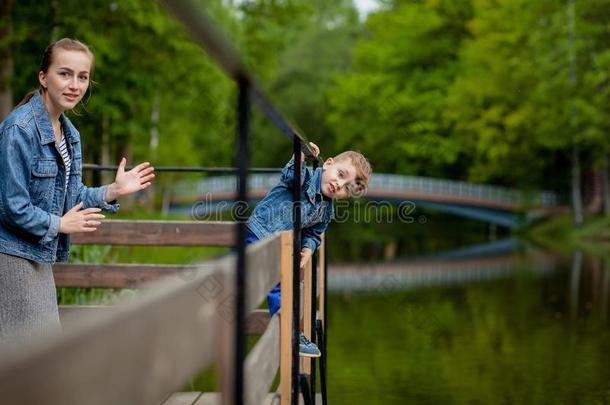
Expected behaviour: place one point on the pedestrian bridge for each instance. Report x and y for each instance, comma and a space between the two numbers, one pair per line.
497, 205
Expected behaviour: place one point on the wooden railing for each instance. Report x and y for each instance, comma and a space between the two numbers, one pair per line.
144, 350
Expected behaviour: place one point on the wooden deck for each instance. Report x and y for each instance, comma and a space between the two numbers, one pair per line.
214, 398
141, 351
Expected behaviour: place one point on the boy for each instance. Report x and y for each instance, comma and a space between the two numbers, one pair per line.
344, 176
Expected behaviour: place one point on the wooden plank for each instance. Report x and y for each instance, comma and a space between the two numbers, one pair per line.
286, 319
70, 311
209, 398
262, 364
69, 315
306, 308
182, 398
256, 322
302, 297
130, 356
274, 399
116, 275
262, 273
263, 270
225, 343
214, 398
160, 233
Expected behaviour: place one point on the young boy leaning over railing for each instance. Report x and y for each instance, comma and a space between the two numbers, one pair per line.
343, 176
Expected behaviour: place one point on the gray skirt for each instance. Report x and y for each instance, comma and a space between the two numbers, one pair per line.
28, 299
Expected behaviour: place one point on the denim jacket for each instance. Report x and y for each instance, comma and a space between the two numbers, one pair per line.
33, 193
274, 212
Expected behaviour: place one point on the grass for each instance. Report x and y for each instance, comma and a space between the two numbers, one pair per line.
129, 254
560, 235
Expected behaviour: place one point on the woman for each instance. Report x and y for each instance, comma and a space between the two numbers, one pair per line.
42, 198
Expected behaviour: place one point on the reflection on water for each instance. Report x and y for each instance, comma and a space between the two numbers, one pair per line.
536, 332
459, 266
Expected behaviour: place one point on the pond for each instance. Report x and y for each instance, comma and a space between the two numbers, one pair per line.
517, 327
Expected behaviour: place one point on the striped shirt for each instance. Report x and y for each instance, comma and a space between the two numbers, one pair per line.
65, 156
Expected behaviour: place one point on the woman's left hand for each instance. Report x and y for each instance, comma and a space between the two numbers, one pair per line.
136, 179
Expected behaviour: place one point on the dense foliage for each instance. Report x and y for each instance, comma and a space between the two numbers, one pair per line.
510, 92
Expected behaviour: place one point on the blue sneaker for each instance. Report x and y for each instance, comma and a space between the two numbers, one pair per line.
307, 348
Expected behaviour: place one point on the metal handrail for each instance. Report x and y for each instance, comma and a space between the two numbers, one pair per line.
205, 33
387, 182
183, 169
380, 181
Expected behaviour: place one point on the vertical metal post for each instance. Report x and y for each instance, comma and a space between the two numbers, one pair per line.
322, 345
314, 314
305, 390
296, 267
323, 362
325, 270
243, 127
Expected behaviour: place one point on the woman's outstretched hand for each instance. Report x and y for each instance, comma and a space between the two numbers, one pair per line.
79, 220
138, 178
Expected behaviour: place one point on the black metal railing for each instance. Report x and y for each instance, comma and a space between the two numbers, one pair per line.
205, 33
306, 383
184, 169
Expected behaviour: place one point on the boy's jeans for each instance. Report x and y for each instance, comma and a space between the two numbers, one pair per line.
274, 296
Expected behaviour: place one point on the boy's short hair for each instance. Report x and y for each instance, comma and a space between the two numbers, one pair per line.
363, 171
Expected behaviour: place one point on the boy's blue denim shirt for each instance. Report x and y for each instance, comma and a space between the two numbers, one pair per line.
274, 212
33, 193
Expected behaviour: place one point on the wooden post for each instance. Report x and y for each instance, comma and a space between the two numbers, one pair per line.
224, 326
286, 318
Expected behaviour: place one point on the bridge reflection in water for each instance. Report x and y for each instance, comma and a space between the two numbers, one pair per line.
461, 266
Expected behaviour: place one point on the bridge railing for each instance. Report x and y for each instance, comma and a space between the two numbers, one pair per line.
204, 33
141, 351
136, 325
189, 190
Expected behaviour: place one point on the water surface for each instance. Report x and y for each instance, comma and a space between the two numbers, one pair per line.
528, 335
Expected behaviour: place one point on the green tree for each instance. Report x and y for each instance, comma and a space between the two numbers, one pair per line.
596, 81
488, 109
391, 106
150, 81
295, 47
6, 69
528, 93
